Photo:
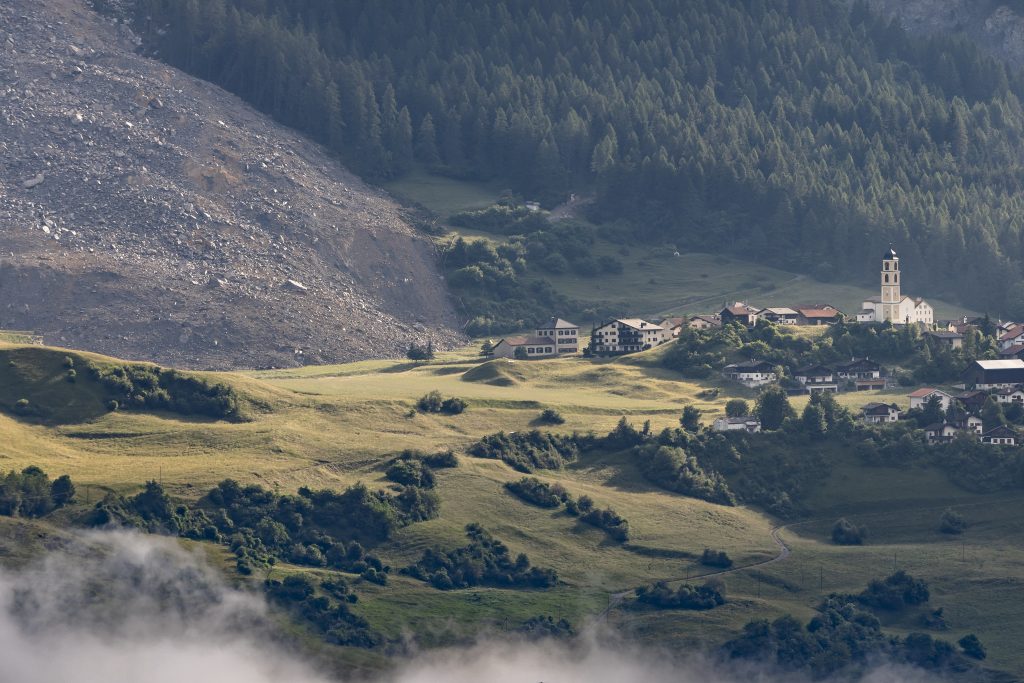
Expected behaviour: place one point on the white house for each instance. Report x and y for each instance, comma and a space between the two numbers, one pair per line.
817, 378
565, 335
921, 396
879, 413
1000, 436
751, 425
779, 315
1012, 337
751, 373
1009, 395
628, 335
892, 305
525, 347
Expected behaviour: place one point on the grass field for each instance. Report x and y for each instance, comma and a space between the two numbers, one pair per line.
332, 426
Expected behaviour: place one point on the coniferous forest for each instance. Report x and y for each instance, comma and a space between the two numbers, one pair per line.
804, 133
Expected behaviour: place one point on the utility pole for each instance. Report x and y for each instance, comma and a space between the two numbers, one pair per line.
821, 578
894, 560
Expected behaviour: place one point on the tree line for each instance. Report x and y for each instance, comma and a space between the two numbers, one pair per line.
803, 131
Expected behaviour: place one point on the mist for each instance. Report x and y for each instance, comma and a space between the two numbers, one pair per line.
115, 607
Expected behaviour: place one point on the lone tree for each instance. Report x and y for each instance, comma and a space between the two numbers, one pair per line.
773, 408
737, 407
972, 647
690, 419
845, 532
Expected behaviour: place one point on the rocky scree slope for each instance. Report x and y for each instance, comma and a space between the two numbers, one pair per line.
146, 214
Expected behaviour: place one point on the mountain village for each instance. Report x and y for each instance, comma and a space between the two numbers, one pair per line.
1002, 379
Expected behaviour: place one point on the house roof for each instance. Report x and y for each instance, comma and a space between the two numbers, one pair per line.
714, 319
671, 323
890, 255
925, 392
749, 365
819, 312
1013, 364
1002, 431
1015, 350
740, 308
968, 395
1012, 333
879, 408
740, 420
937, 427
525, 340
857, 361
1008, 391
814, 370
558, 324
778, 311
638, 324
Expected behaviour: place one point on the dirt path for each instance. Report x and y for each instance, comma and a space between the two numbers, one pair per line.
616, 599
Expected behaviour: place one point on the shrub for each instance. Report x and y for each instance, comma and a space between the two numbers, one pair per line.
524, 451
895, 592
538, 493
418, 352
845, 532
22, 407
546, 627
972, 647
441, 459
550, 416
30, 493
715, 558
411, 473
485, 561
610, 521
434, 402
687, 596
453, 406
952, 522
112, 406
71, 376
737, 407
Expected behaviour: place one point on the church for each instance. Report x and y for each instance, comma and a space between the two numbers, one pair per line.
892, 305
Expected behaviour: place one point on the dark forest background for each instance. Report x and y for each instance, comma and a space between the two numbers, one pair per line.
804, 133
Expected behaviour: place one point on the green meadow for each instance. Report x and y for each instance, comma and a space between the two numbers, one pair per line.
332, 426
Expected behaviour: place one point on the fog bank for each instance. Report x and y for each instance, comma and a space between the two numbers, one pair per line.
124, 608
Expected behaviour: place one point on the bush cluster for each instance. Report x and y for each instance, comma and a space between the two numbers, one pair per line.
537, 492
608, 520
845, 532
486, 561
539, 627
434, 402
895, 592
715, 558
332, 618
30, 493
153, 388
526, 451
704, 597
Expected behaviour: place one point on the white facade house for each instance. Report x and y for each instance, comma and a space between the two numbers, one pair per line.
751, 373
1009, 395
920, 397
628, 335
565, 335
751, 425
892, 305
1012, 337
880, 413
524, 347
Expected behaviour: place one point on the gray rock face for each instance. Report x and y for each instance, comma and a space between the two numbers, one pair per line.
993, 26
147, 214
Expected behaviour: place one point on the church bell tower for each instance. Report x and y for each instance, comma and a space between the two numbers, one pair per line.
891, 296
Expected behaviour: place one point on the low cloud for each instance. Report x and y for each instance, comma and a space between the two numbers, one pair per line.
125, 608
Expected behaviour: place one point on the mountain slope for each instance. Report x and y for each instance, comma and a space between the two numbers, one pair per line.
148, 214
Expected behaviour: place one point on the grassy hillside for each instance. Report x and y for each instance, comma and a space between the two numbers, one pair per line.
336, 425
655, 282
